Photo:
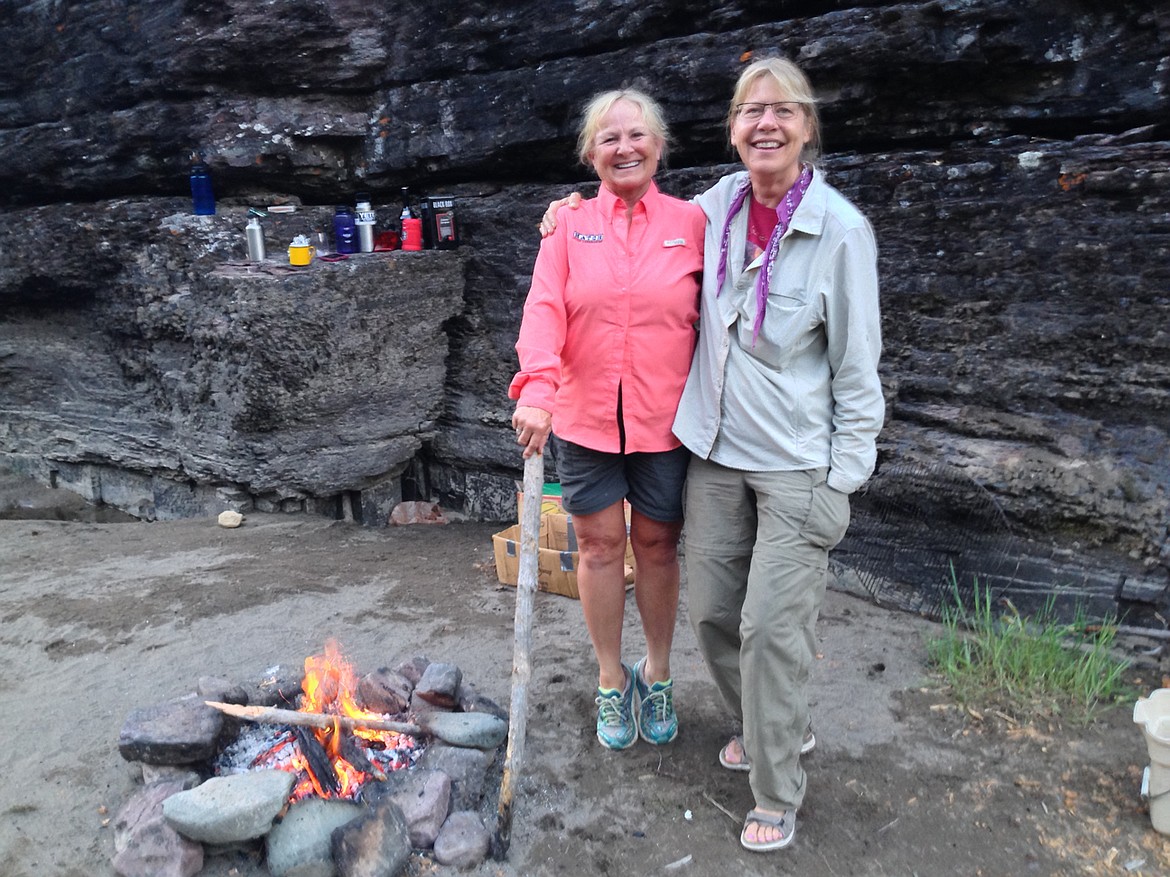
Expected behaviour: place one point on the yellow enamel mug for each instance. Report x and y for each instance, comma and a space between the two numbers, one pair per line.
300, 251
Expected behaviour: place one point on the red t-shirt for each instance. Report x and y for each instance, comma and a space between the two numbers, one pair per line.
761, 221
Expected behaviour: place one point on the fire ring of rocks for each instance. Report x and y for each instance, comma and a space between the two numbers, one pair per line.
317, 772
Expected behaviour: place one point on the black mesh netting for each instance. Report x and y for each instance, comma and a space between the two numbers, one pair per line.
922, 534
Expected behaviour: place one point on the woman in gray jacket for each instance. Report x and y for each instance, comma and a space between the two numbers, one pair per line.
781, 411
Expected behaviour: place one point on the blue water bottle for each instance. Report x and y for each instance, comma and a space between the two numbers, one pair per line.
202, 198
344, 230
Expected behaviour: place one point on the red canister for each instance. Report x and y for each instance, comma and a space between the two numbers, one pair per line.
412, 234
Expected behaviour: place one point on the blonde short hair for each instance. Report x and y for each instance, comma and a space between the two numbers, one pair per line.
602, 103
793, 83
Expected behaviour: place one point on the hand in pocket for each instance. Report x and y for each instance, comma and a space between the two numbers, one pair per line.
828, 517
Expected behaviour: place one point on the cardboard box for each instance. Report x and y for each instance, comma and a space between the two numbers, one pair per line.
558, 557
556, 571
556, 567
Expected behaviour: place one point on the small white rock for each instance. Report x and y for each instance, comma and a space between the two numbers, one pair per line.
230, 519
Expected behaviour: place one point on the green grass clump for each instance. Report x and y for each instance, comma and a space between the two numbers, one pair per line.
1030, 667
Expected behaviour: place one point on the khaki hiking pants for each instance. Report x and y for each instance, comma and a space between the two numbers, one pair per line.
757, 547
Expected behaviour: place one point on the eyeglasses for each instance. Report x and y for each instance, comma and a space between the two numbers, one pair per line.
784, 111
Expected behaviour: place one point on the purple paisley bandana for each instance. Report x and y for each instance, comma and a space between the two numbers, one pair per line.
784, 211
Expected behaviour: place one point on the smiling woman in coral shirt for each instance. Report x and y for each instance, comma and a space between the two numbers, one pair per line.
605, 346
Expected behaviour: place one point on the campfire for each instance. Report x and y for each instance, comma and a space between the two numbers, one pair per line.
334, 746
378, 766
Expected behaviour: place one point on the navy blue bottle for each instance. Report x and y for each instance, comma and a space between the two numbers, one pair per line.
344, 231
202, 198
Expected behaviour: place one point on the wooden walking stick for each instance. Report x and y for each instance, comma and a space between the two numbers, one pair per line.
522, 649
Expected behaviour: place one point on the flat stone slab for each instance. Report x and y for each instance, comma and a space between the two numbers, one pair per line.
230, 809
376, 844
424, 796
144, 845
463, 841
300, 845
179, 732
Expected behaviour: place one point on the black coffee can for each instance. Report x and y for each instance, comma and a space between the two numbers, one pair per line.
440, 230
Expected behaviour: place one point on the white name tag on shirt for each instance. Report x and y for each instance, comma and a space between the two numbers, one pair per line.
675, 242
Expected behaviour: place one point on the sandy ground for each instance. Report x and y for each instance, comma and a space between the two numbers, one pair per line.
101, 618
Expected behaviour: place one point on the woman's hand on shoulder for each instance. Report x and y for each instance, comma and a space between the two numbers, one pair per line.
548, 222
532, 426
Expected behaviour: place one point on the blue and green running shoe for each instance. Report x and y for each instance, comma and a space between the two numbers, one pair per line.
616, 726
657, 722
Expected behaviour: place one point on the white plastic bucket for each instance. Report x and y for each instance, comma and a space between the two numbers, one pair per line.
1153, 715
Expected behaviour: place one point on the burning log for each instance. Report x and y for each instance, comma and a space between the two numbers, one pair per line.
321, 772
356, 755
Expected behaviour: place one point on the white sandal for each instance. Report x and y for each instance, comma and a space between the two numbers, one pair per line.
807, 745
785, 822
734, 765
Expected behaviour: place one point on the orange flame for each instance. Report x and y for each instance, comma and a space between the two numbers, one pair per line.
330, 687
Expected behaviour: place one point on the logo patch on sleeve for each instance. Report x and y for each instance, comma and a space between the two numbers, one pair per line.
589, 238
675, 242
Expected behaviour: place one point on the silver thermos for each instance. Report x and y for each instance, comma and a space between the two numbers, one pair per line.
365, 219
255, 236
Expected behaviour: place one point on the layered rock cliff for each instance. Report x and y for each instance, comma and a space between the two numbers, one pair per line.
1013, 158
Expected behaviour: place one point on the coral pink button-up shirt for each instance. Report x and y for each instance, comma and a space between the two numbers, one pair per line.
613, 305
